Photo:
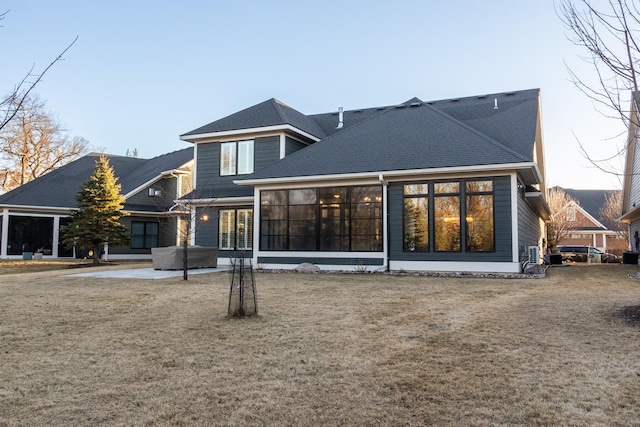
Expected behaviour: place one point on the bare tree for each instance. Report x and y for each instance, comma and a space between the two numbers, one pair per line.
11, 104
611, 211
34, 143
561, 223
609, 33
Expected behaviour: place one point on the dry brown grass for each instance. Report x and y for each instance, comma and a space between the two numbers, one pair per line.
325, 350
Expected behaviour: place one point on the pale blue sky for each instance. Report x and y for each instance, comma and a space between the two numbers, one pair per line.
144, 72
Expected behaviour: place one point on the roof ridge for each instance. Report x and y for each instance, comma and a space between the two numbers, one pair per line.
277, 105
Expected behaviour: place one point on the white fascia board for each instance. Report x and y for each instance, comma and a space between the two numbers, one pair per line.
142, 186
235, 132
486, 169
222, 201
145, 213
154, 180
36, 208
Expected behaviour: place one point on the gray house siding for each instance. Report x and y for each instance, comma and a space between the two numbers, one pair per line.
266, 152
167, 189
634, 192
502, 224
291, 146
529, 230
634, 229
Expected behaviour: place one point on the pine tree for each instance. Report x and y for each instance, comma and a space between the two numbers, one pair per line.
96, 221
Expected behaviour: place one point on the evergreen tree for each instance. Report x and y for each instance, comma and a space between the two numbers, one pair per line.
96, 221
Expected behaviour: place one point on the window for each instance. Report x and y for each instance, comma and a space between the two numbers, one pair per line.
144, 235
416, 218
479, 216
235, 230
432, 215
322, 219
571, 213
236, 158
447, 216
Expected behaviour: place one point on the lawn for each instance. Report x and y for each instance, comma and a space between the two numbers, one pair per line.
353, 349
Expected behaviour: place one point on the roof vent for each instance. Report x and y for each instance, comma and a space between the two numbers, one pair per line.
416, 104
340, 118
495, 103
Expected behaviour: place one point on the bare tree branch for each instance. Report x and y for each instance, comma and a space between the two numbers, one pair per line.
33, 144
610, 34
12, 103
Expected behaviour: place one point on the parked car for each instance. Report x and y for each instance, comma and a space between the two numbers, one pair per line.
578, 253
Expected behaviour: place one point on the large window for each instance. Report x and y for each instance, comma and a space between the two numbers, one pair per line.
30, 234
416, 218
235, 231
447, 216
446, 203
144, 235
322, 219
236, 158
479, 216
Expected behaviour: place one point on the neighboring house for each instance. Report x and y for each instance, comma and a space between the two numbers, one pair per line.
31, 215
588, 227
450, 185
631, 186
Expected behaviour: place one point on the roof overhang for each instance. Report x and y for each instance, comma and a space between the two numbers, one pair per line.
537, 200
529, 172
157, 178
630, 216
220, 201
35, 209
212, 136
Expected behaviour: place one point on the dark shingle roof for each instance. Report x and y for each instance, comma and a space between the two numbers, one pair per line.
59, 187
268, 113
418, 135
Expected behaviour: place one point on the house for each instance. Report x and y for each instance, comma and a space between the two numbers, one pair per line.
589, 226
448, 185
31, 215
631, 183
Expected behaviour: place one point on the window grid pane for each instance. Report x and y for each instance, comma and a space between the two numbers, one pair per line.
227, 158
480, 226
245, 157
227, 229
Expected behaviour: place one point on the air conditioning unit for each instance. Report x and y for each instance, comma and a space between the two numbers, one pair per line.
534, 254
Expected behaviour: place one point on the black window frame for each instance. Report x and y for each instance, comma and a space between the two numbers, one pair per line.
355, 228
462, 194
145, 235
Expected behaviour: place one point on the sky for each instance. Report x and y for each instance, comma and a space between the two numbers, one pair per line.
142, 73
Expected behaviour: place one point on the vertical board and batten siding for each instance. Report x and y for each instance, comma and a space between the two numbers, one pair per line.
266, 151
291, 146
502, 226
207, 232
